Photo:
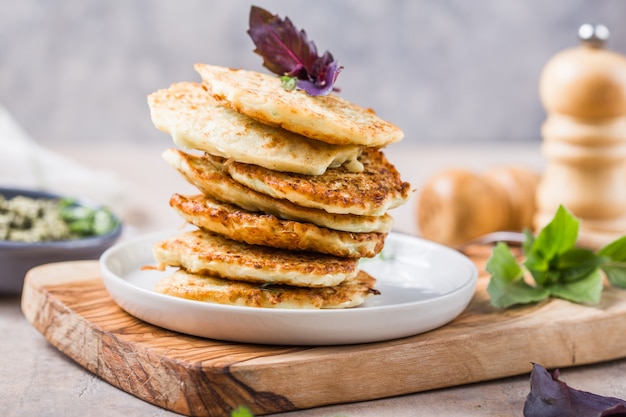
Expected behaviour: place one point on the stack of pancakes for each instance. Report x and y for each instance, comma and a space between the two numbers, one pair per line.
294, 190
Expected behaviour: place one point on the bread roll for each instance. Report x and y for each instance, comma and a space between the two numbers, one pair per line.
458, 205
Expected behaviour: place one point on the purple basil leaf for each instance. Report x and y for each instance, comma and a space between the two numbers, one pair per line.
325, 80
550, 397
287, 51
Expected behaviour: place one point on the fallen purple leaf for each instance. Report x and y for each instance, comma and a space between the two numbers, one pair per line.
550, 397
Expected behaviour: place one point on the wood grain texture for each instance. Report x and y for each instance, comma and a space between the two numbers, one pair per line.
69, 305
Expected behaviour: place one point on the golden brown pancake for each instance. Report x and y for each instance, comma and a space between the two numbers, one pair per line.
369, 193
208, 176
350, 293
196, 121
200, 252
328, 118
265, 229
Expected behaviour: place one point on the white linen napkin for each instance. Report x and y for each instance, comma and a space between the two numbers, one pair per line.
26, 164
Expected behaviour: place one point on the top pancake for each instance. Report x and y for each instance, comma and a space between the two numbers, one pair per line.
196, 121
328, 118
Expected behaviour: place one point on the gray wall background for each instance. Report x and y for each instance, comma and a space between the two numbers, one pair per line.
446, 71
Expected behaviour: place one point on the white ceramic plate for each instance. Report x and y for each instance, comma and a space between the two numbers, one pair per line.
423, 286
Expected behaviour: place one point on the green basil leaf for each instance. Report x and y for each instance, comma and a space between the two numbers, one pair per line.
545, 278
577, 263
615, 266
556, 237
537, 262
615, 273
558, 268
503, 265
574, 264
575, 257
583, 291
615, 250
505, 294
506, 286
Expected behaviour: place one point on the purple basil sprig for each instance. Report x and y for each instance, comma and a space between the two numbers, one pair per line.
550, 397
288, 52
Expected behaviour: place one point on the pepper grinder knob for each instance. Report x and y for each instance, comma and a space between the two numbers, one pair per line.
593, 35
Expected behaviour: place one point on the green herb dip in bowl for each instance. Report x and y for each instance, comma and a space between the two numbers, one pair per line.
40, 227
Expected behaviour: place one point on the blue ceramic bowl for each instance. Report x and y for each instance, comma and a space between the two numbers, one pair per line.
16, 258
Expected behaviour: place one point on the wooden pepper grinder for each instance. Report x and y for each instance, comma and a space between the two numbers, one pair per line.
583, 90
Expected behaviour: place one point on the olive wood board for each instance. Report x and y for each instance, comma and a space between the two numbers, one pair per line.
68, 304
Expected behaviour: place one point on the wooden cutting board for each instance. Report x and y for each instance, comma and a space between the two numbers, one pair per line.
68, 304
